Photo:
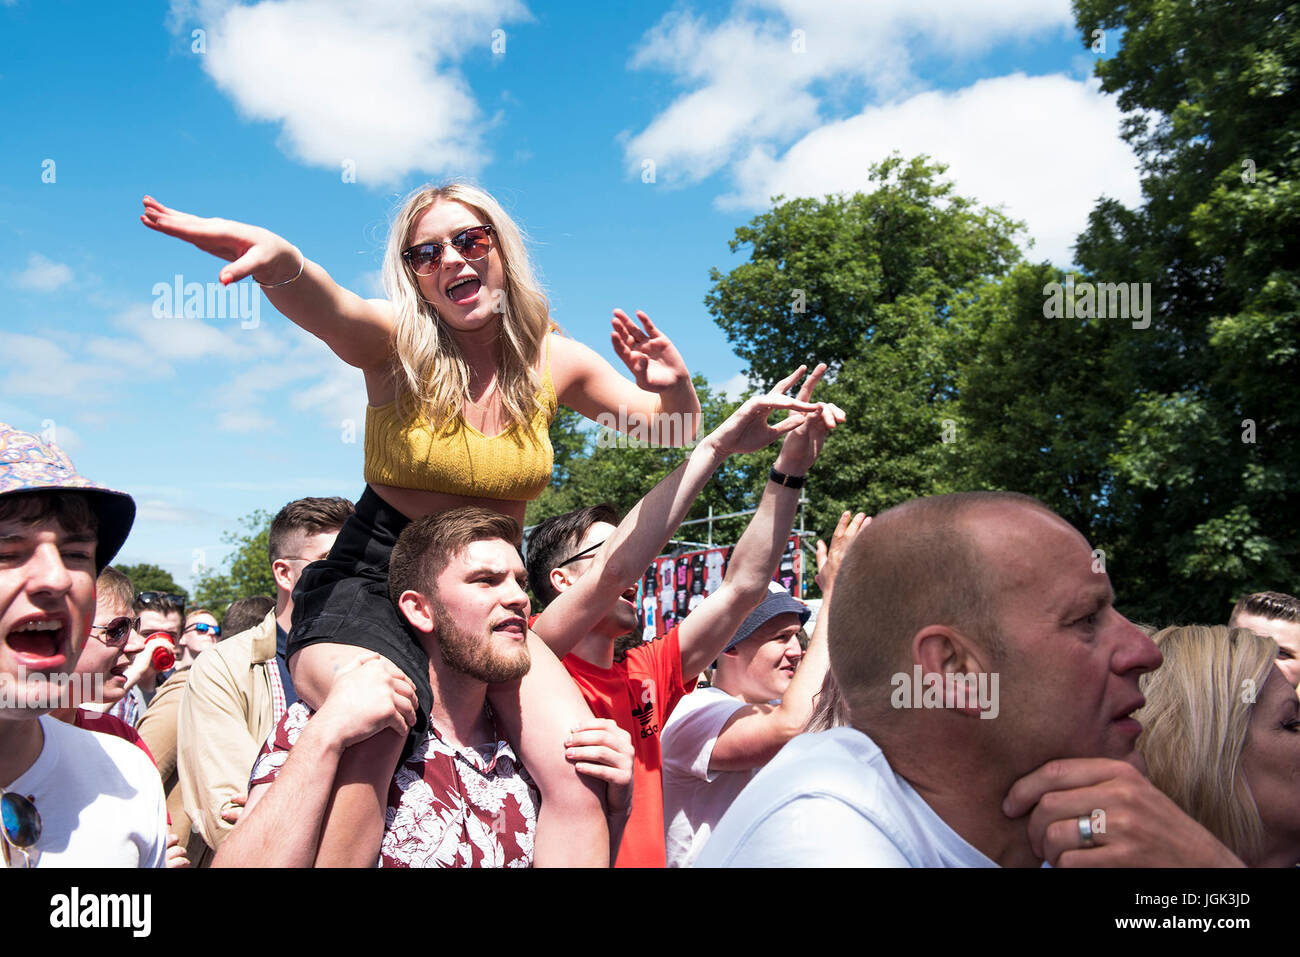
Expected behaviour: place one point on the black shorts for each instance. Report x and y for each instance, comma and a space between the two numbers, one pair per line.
344, 598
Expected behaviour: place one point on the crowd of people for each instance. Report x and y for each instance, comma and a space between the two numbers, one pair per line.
427, 689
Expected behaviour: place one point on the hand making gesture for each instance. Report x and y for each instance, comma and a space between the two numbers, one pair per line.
650, 355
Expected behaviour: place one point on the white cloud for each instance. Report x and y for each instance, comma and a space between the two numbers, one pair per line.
231, 421
372, 84
152, 344
169, 513
1043, 147
315, 380
37, 366
369, 284
752, 77
737, 387
773, 97
42, 274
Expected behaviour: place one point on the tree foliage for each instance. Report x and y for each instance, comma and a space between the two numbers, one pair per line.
600, 465
1169, 444
1207, 494
146, 577
246, 570
822, 273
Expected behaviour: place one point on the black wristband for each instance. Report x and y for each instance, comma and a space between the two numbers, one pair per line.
789, 481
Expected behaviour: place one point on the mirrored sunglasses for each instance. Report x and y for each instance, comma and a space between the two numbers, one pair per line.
472, 244
116, 632
21, 824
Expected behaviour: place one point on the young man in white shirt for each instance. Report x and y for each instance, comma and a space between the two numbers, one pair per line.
72, 798
763, 694
991, 684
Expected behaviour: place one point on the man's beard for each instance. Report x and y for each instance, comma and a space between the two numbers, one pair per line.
473, 654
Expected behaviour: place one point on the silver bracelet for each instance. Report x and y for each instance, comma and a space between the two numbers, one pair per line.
272, 285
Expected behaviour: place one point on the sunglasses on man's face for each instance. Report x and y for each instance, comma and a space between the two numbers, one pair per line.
472, 244
203, 628
21, 825
585, 553
116, 632
160, 597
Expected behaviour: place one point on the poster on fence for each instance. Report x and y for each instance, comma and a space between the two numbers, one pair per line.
674, 585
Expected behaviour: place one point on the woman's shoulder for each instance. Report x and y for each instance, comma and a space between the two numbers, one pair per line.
568, 358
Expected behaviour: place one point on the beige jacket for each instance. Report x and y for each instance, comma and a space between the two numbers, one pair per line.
226, 715
158, 728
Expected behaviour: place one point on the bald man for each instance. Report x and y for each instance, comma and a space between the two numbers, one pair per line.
992, 685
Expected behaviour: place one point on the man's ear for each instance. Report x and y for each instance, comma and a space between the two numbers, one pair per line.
282, 572
559, 579
417, 610
957, 660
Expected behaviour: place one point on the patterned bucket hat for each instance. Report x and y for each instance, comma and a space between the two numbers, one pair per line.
29, 464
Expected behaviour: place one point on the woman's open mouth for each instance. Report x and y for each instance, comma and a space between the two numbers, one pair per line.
464, 290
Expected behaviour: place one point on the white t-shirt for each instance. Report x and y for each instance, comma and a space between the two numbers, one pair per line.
832, 800
694, 798
100, 800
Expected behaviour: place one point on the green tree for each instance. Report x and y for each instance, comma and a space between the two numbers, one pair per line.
600, 465
1040, 400
821, 271
1207, 481
246, 570
146, 577
882, 275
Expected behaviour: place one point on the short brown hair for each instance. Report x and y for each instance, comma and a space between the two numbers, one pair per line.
309, 516
553, 538
916, 564
71, 511
245, 613
112, 585
426, 545
1274, 605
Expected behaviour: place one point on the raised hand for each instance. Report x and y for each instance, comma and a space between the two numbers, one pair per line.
804, 444
747, 429
828, 559
250, 250
653, 360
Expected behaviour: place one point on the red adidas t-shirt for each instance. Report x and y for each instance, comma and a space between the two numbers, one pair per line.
638, 693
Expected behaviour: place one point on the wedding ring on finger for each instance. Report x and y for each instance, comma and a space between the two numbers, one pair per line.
1085, 831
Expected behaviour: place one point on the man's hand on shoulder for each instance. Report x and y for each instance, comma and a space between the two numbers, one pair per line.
368, 696
599, 748
1132, 823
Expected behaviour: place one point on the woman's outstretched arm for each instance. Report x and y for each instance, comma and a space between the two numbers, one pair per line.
357, 330
660, 407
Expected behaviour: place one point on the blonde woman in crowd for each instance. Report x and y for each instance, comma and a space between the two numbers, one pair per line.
463, 371
1221, 737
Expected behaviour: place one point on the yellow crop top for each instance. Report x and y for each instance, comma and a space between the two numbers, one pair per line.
513, 467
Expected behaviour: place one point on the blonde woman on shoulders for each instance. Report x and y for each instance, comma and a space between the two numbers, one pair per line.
463, 373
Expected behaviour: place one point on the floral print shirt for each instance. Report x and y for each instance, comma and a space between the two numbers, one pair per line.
447, 806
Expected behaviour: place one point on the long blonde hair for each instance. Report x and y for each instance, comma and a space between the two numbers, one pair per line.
1194, 726
435, 377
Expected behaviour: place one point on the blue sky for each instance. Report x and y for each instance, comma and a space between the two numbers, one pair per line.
557, 108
